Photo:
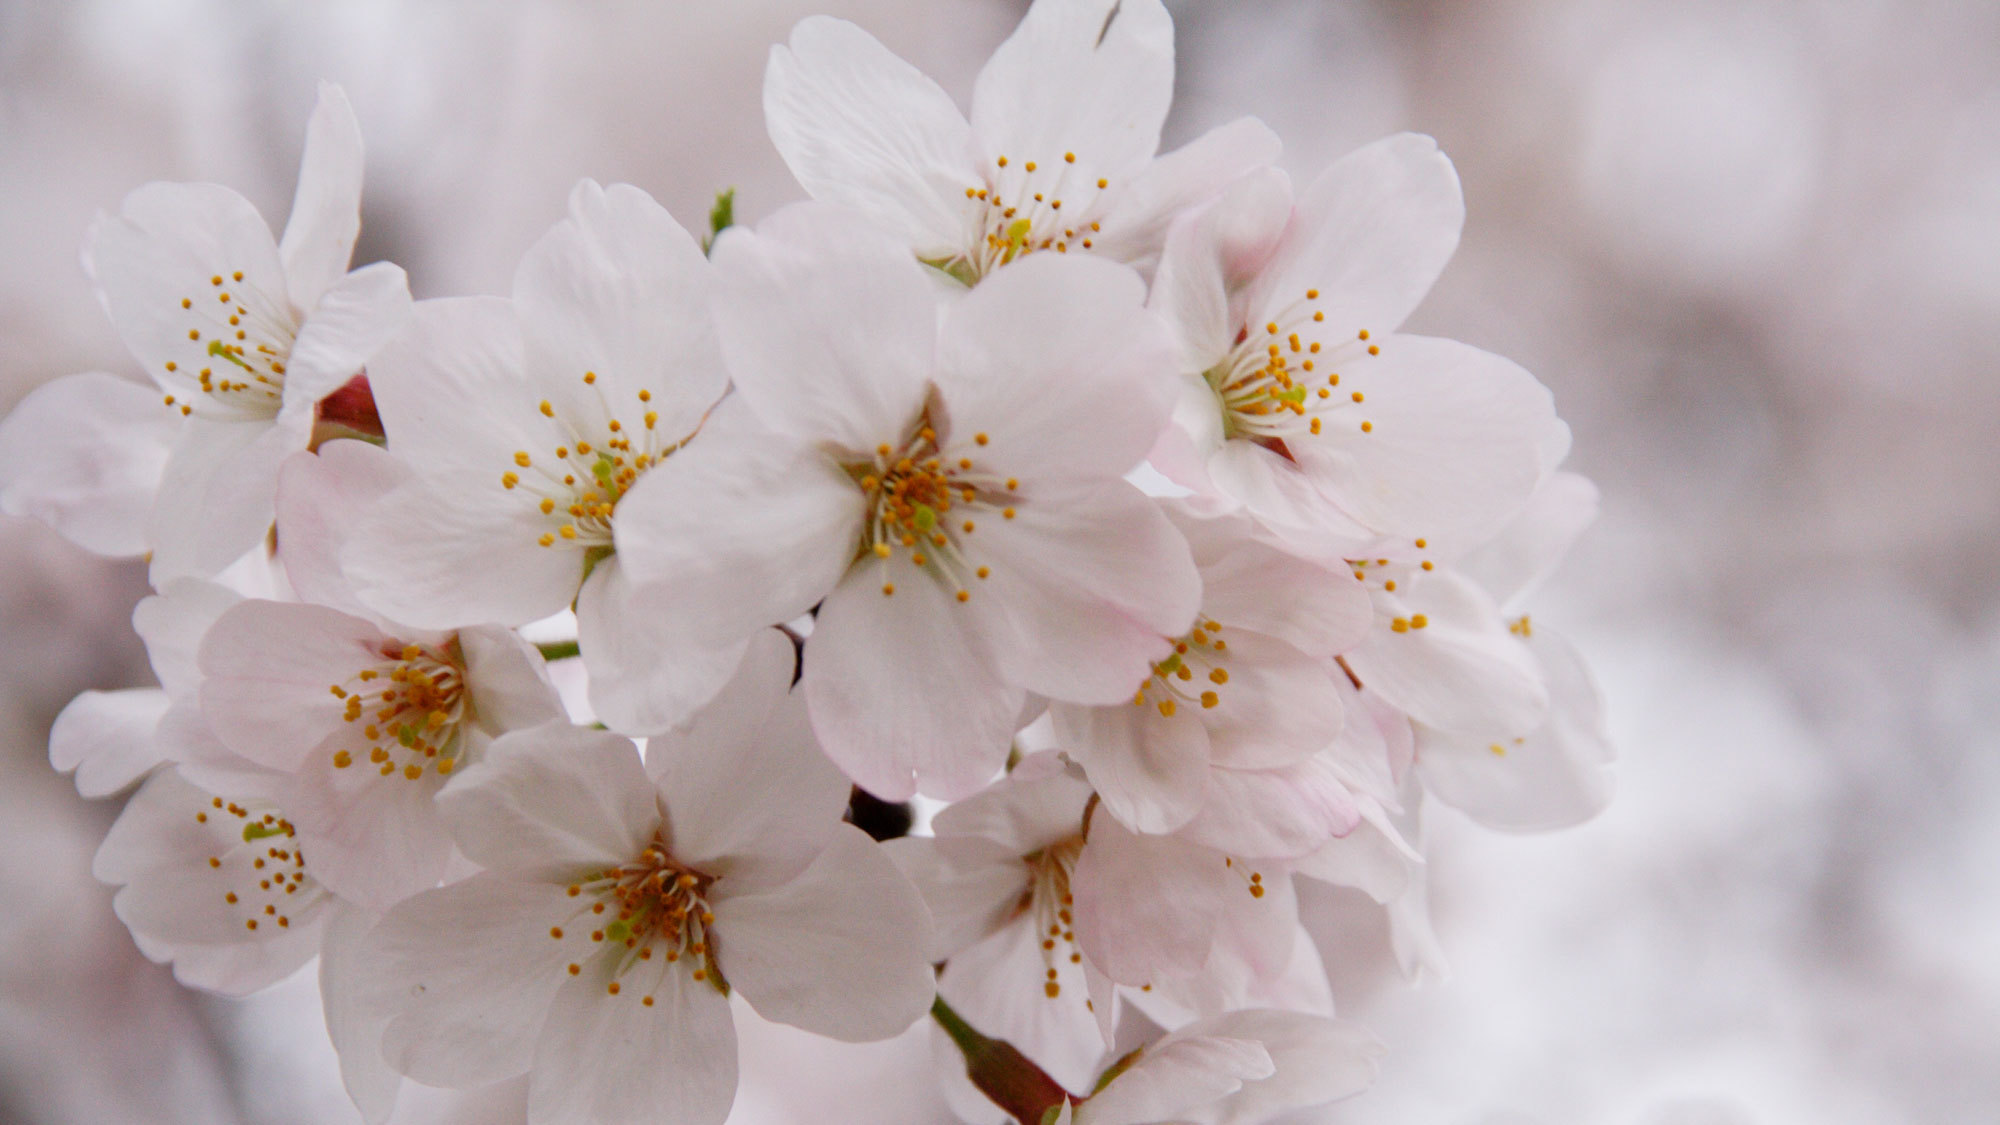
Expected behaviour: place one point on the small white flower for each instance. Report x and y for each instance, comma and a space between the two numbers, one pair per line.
245, 335
618, 911
1057, 157
948, 484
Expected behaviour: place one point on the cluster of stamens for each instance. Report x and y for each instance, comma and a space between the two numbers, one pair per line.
1049, 903
1253, 881
266, 882
652, 911
922, 499
1020, 211
1172, 684
1271, 386
410, 709
238, 345
1382, 573
580, 488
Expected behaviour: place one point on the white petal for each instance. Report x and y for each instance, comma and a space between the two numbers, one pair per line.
1146, 906
842, 950
355, 316
1453, 449
84, 454
828, 326
270, 667
1248, 583
1372, 233
1462, 672
1207, 257
1000, 987
970, 885
1150, 769
1276, 708
1284, 501
372, 839
107, 737
1029, 809
862, 128
326, 208
355, 1029
1139, 213
902, 697
614, 1060
1317, 1060
1175, 1078
217, 493
552, 803
1085, 393
648, 669
173, 623
508, 680
1093, 77
320, 499
1374, 858
1554, 776
1274, 813
1511, 566
620, 289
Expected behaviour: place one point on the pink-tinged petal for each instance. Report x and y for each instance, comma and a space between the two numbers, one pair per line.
1000, 987
320, 499
828, 325
1372, 233
1513, 565
862, 128
271, 668
1147, 906
467, 973
326, 208
85, 454
1375, 746
508, 680
1085, 584
1452, 449
1035, 805
648, 670
1462, 672
842, 950
1250, 584
1139, 214
217, 493
166, 246
1314, 1061
749, 796
355, 316
1374, 858
739, 530
351, 1023
1085, 393
186, 741
1229, 982
1093, 77
1209, 254
1274, 813
619, 289
1285, 502
173, 623
970, 884
1275, 706
1552, 777
372, 839
552, 803
1150, 769
107, 737
902, 696
604, 1059
451, 389
1176, 1078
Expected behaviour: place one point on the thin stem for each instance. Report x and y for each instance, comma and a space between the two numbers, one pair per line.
558, 650
1001, 1072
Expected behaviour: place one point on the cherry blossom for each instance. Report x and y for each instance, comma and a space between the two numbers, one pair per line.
1058, 154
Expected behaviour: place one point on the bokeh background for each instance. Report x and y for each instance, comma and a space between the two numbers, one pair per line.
1754, 249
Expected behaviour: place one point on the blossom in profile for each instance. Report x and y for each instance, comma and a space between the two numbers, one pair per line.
1058, 154
622, 904
246, 336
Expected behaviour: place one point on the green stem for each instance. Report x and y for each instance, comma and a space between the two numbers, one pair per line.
1001, 1072
558, 650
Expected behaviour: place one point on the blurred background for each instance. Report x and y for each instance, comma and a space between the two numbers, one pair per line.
1754, 249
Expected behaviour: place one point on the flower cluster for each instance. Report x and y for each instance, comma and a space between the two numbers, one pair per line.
1090, 493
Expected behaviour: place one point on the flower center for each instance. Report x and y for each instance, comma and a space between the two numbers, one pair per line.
1171, 685
263, 877
1271, 388
1025, 207
649, 914
410, 709
598, 456
238, 341
1048, 902
926, 499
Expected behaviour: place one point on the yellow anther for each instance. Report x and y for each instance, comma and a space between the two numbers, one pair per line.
521, 458
1367, 427
1218, 675
1400, 625
888, 588
342, 760
965, 595
979, 438
1210, 699
1167, 708
509, 480
590, 377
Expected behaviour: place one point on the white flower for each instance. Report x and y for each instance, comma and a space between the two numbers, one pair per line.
1251, 687
216, 885
526, 426
949, 485
597, 952
1300, 403
1058, 155
245, 335
1240, 1068
997, 880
